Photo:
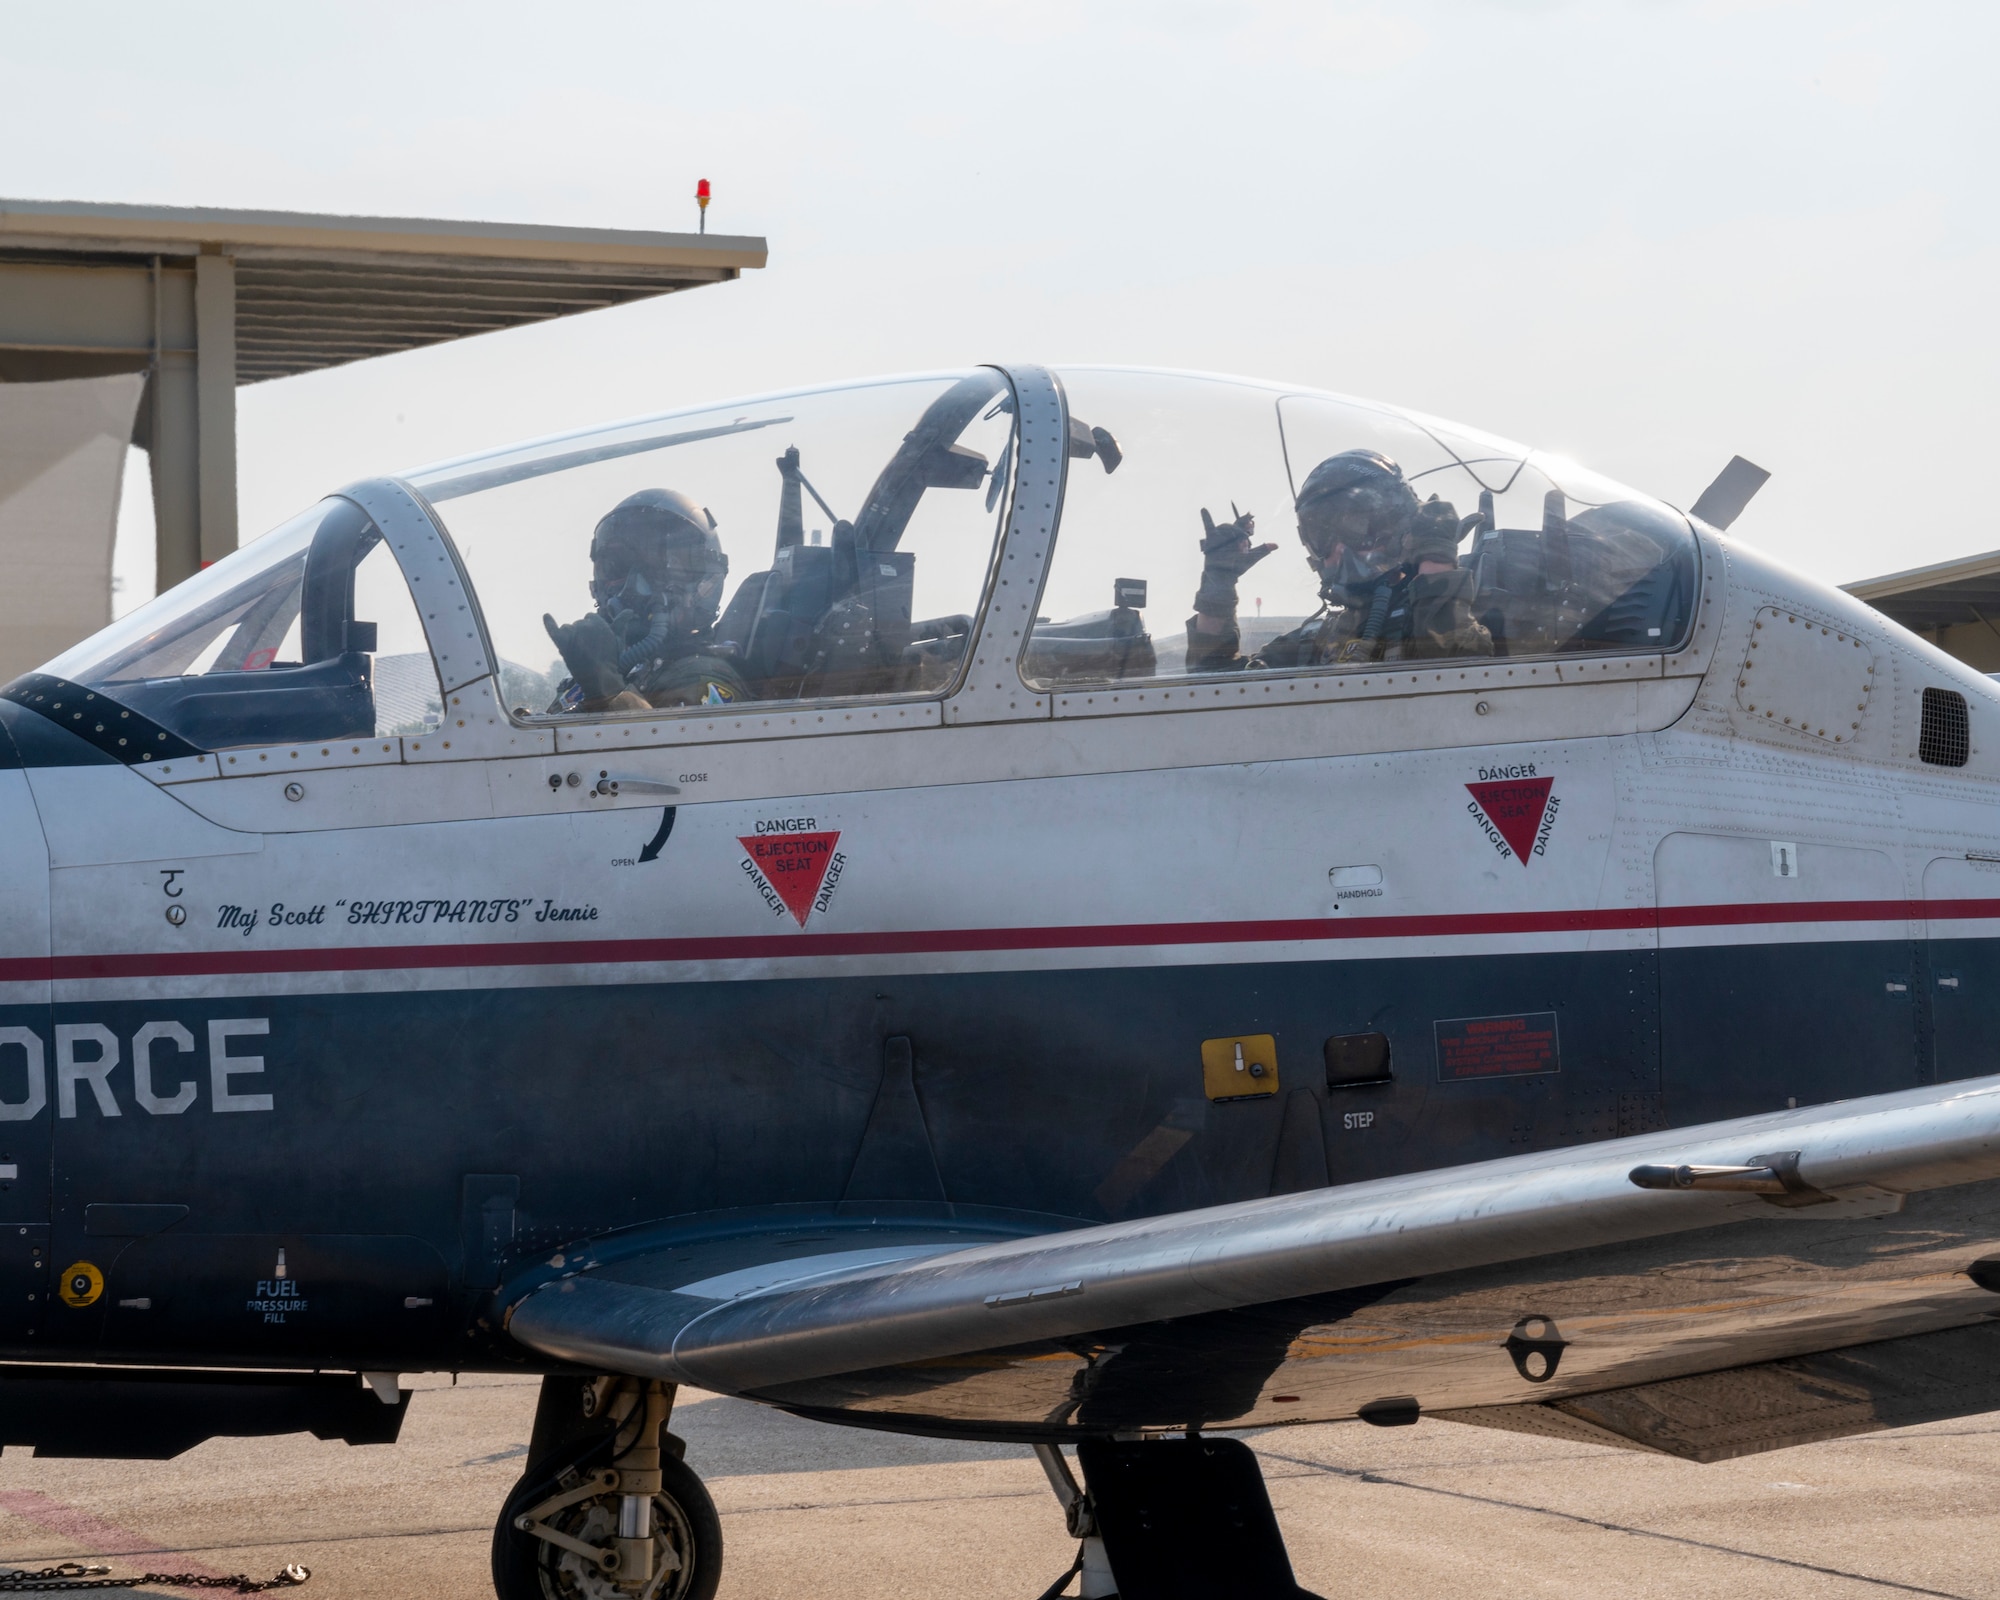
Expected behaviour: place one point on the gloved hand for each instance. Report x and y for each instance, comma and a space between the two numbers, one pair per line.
1434, 534
590, 651
1227, 554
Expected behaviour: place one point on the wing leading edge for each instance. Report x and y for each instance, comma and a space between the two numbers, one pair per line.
1525, 1225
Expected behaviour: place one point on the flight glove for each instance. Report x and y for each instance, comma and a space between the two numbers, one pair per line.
1227, 554
1434, 534
590, 651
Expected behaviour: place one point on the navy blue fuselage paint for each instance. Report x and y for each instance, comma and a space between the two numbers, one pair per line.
1959, 989
1072, 1094
27, 740
33, 740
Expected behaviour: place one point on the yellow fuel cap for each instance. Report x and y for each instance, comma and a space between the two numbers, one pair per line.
81, 1284
1241, 1068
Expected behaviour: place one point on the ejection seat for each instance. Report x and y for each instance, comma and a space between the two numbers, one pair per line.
1564, 587
835, 619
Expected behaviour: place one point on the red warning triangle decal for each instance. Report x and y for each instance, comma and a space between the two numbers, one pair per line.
794, 865
1515, 808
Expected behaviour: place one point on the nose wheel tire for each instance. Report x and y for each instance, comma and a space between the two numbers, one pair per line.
687, 1543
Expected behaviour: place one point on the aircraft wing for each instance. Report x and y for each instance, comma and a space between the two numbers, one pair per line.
1444, 1263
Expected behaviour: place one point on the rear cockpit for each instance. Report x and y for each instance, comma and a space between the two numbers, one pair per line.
1450, 544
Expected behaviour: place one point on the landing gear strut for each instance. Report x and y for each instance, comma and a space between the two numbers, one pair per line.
606, 1510
1090, 1568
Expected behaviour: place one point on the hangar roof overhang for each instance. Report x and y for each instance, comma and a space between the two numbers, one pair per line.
1946, 595
1954, 604
315, 291
204, 300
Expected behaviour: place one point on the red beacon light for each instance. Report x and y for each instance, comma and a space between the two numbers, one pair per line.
701, 199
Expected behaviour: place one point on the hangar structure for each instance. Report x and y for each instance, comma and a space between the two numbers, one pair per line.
141, 322
1954, 604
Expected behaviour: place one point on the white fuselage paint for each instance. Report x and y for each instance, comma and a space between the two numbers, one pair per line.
1200, 829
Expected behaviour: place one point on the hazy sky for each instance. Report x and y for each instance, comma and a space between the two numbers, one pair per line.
1647, 235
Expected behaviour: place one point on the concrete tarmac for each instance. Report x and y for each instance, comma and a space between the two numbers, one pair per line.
810, 1511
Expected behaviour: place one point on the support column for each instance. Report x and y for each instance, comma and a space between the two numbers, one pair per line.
173, 441
172, 453
215, 382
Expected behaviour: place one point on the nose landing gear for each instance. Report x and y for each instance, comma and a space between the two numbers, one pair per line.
606, 1510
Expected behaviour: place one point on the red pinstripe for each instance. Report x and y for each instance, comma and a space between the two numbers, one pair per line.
750, 947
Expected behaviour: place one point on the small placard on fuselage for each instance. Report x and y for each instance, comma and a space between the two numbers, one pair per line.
1497, 1047
1242, 1067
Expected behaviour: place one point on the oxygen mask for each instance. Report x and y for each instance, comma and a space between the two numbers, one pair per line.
628, 602
1352, 543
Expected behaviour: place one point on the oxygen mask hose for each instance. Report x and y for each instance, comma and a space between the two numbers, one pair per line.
635, 606
646, 647
1378, 611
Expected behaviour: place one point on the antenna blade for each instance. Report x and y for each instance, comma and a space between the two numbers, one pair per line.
1722, 502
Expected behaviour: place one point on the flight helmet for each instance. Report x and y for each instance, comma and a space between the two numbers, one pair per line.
1355, 514
656, 563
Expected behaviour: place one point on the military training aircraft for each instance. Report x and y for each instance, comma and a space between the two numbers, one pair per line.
766, 898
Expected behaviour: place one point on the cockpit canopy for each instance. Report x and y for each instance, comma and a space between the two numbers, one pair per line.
1541, 557
858, 525
840, 543
307, 633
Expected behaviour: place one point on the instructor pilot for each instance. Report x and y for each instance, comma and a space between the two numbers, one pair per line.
1388, 574
656, 575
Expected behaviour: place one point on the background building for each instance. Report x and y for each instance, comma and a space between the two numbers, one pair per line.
1955, 605
137, 324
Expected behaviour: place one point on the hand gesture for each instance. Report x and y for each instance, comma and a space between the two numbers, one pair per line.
590, 651
1227, 554
1226, 546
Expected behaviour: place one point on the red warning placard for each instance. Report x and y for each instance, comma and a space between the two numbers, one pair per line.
792, 866
1497, 1047
1511, 812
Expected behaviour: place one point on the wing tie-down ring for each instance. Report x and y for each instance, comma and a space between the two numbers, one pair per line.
1536, 1346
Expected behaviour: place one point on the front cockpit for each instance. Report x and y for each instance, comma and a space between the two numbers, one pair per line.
820, 545
846, 536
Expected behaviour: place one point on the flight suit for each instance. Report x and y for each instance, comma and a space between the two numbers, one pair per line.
1429, 615
700, 679
1425, 616
696, 675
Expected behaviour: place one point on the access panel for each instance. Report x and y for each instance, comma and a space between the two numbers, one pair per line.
1788, 975
1962, 905
297, 1299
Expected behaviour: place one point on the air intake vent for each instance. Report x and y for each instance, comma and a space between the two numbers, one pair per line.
1946, 737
